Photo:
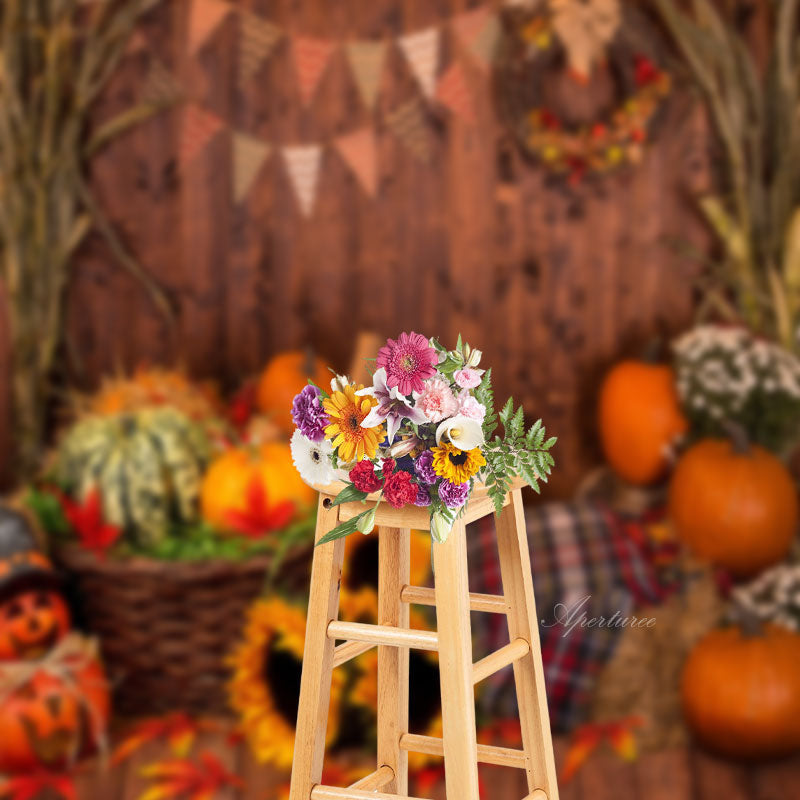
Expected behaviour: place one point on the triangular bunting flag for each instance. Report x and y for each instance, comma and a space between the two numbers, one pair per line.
453, 93
484, 47
470, 24
310, 58
258, 39
204, 18
249, 155
198, 128
358, 151
422, 51
160, 86
409, 125
366, 62
302, 162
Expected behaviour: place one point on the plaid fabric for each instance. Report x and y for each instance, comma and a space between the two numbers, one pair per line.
585, 559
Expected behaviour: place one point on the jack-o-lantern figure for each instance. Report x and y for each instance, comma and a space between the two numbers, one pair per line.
58, 711
31, 624
33, 614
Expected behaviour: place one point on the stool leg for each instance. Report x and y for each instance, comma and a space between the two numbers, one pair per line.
394, 553
455, 666
315, 683
515, 567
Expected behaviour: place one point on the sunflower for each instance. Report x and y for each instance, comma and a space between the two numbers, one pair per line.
454, 465
347, 412
265, 686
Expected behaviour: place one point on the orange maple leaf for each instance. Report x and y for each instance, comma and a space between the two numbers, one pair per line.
586, 739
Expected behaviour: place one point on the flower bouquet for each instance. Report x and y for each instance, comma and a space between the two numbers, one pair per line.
423, 434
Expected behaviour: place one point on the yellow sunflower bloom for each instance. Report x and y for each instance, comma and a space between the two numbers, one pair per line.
346, 412
268, 660
457, 466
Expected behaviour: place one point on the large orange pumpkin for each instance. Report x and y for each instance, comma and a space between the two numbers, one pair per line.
32, 623
48, 722
228, 482
639, 418
736, 507
741, 693
283, 377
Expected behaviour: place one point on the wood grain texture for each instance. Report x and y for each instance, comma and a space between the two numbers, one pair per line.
666, 775
315, 683
455, 665
515, 568
394, 566
479, 241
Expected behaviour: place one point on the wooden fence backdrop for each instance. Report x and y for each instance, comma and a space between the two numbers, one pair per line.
552, 282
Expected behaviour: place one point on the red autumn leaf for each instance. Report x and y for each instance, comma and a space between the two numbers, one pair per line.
178, 729
258, 516
189, 779
87, 521
29, 787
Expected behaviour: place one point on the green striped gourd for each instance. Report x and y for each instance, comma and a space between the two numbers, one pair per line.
147, 465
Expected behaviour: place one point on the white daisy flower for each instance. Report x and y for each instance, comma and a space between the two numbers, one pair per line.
312, 460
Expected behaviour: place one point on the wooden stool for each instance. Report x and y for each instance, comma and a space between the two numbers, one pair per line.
453, 602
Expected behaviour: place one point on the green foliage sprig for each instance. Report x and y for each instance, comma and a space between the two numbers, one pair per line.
516, 453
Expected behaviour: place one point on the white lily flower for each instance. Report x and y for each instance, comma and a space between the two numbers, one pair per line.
463, 432
339, 382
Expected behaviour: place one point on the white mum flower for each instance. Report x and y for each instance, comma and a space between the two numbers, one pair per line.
312, 460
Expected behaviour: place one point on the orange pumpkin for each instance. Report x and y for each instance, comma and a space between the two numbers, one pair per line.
741, 693
50, 721
228, 483
31, 624
639, 418
283, 377
736, 507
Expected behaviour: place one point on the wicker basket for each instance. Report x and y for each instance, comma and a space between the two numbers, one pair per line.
166, 627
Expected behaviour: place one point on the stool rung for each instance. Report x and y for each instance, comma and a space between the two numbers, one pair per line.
536, 794
320, 792
487, 754
383, 634
422, 596
348, 651
494, 662
375, 780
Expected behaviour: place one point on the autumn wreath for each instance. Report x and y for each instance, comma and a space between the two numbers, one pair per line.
581, 36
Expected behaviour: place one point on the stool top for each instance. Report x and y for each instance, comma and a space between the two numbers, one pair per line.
479, 505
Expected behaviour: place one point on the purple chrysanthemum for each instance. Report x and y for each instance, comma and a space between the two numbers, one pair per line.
423, 496
408, 360
423, 466
453, 495
309, 415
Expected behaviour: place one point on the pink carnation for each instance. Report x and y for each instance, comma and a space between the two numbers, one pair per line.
437, 400
468, 378
468, 406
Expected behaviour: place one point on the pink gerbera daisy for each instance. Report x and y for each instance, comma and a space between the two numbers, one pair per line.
408, 361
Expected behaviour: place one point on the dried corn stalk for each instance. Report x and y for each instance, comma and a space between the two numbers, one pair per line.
56, 56
757, 119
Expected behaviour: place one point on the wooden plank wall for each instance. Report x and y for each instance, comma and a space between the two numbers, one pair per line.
552, 282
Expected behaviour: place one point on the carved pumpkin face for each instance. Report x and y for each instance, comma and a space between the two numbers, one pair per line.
31, 623
50, 723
